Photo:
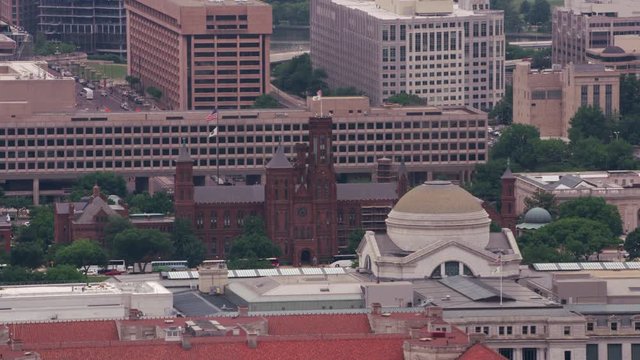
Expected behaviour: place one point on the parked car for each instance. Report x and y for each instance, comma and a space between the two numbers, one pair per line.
104, 93
113, 272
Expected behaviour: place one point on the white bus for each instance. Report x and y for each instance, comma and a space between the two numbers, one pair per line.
88, 93
169, 265
118, 265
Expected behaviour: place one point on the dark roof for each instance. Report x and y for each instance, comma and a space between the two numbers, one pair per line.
569, 181
387, 247
613, 50
92, 209
183, 155
279, 160
63, 208
229, 194
367, 191
498, 241
507, 174
474, 288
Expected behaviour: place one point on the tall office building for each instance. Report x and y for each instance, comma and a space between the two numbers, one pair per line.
449, 54
588, 24
201, 54
94, 26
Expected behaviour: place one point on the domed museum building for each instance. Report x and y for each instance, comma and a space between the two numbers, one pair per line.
437, 230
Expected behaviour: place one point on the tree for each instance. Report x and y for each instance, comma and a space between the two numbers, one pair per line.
573, 239
155, 92
512, 21
40, 229
502, 112
629, 95
132, 80
187, 246
64, 273
518, 143
542, 199
628, 127
298, 77
252, 246
405, 99
355, 237
588, 122
142, 246
589, 154
159, 202
345, 91
114, 226
27, 254
110, 183
540, 12
541, 59
632, 244
525, 7
266, 101
620, 156
82, 254
593, 208
551, 155
486, 181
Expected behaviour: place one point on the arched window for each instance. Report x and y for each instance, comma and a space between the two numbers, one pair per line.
451, 268
367, 263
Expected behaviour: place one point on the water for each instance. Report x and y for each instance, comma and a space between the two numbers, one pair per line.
289, 39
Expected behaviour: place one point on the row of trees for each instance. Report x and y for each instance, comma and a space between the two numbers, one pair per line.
536, 12
583, 227
290, 12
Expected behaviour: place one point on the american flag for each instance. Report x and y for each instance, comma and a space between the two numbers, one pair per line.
213, 115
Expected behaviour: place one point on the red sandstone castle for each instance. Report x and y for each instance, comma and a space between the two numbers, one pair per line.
307, 214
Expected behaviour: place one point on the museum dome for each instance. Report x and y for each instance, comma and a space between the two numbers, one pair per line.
438, 197
537, 215
437, 211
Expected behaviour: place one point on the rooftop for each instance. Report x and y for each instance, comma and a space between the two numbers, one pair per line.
370, 7
24, 70
148, 287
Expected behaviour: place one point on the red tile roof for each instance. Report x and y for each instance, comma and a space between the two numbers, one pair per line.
371, 349
64, 331
318, 324
481, 352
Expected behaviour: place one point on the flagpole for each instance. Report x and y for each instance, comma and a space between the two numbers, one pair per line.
500, 256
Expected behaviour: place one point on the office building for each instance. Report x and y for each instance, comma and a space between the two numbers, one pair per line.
20, 13
448, 54
53, 148
97, 26
585, 24
26, 88
200, 54
548, 99
623, 56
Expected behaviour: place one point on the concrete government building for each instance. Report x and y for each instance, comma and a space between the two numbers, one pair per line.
580, 25
40, 154
200, 54
448, 54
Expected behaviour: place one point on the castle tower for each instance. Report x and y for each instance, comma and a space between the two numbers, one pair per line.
183, 185
322, 188
508, 200
278, 198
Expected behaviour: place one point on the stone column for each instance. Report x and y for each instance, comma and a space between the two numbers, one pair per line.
36, 191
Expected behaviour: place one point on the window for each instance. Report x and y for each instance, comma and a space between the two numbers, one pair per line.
567, 355
505, 330
226, 221
613, 326
608, 110
567, 330
529, 354
590, 326
507, 353
635, 351
592, 352
583, 95
614, 351
636, 325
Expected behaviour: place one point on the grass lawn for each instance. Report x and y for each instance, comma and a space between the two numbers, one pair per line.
112, 71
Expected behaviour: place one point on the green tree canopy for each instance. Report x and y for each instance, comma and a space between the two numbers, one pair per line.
502, 112
82, 254
629, 95
266, 101
110, 184
567, 239
142, 246
632, 244
114, 226
512, 21
252, 245
518, 143
589, 154
345, 91
593, 208
40, 229
187, 246
64, 273
540, 12
298, 77
589, 122
405, 99
355, 237
159, 202
28, 255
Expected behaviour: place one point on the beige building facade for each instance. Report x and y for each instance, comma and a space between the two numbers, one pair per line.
27, 88
200, 55
548, 99
585, 24
448, 54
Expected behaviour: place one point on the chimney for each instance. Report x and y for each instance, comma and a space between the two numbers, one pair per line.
376, 308
243, 310
252, 340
